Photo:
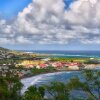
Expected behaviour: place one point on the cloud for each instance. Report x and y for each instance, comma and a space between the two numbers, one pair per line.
48, 22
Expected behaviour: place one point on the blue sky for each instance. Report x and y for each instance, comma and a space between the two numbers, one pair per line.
73, 46
10, 8
72, 33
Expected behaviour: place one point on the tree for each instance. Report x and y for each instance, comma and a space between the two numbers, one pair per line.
90, 85
34, 93
61, 91
57, 91
10, 87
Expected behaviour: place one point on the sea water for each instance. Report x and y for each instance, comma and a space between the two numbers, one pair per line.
70, 54
48, 78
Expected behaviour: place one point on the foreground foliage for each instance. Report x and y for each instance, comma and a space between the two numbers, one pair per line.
10, 87
90, 86
87, 88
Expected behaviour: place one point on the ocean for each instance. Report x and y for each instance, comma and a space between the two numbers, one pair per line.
46, 79
39, 80
73, 54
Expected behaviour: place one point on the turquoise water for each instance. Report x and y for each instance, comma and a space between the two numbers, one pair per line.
70, 54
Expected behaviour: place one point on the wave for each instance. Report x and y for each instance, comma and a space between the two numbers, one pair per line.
70, 55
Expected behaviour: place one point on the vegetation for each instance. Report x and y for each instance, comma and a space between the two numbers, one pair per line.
36, 71
3, 49
70, 59
10, 88
90, 86
9, 61
92, 62
34, 93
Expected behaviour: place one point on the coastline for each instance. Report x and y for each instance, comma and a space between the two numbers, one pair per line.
49, 73
87, 66
39, 78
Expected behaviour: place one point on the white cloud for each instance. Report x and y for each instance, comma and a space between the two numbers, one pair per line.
47, 22
92, 41
23, 40
5, 41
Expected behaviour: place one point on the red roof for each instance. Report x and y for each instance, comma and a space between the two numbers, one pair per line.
72, 64
42, 65
58, 64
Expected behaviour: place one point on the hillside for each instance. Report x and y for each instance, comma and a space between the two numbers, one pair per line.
4, 49
6, 53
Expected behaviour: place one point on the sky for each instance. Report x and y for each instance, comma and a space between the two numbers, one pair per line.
50, 24
10, 8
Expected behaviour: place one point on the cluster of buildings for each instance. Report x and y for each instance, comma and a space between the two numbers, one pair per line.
46, 63
6, 70
60, 65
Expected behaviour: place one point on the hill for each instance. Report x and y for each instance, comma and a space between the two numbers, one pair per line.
6, 53
4, 49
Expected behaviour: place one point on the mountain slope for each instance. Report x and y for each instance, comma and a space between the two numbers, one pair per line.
4, 53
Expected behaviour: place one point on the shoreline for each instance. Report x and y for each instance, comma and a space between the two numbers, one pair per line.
49, 72
87, 67
27, 82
